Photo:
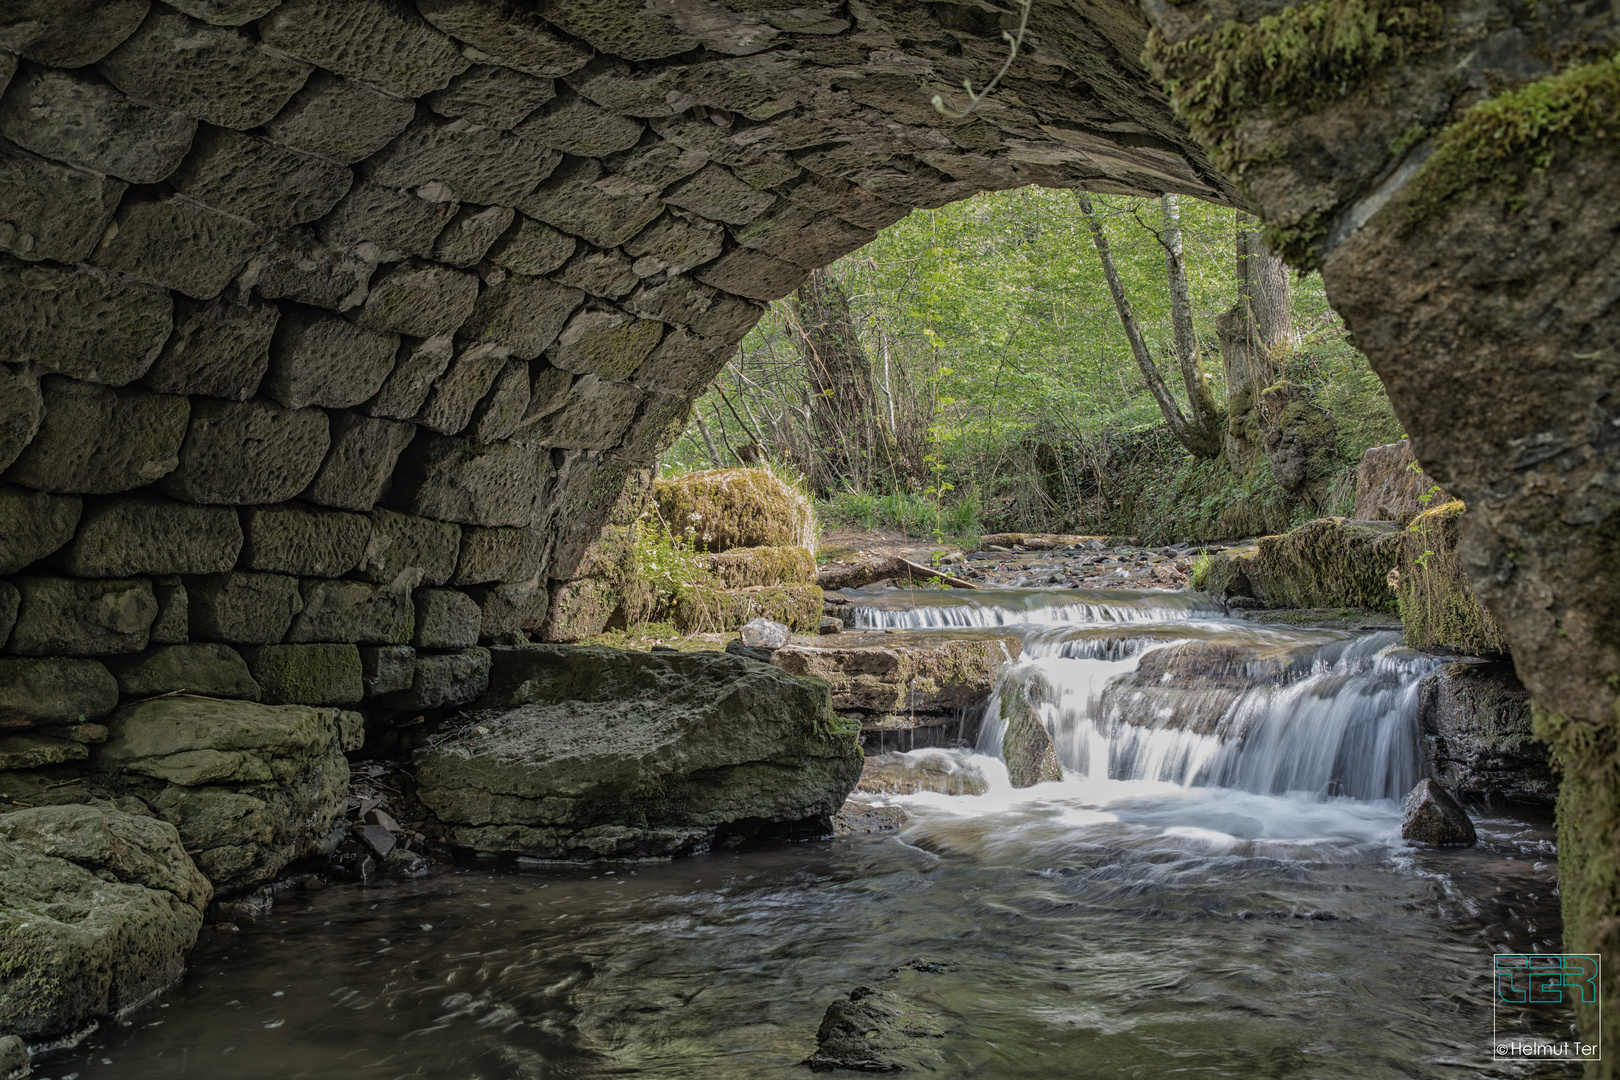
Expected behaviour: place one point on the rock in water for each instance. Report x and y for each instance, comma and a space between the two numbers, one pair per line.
583, 752
97, 911
1026, 745
13, 1057
1433, 817
876, 1031
763, 634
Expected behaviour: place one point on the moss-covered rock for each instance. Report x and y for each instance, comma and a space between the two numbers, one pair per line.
732, 508
1327, 563
321, 674
1026, 745
936, 676
1438, 607
1478, 734
1390, 486
698, 609
740, 568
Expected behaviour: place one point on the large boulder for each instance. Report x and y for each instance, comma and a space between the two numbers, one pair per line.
597, 753
1432, 816
1026, 745
736, 508
1477, 734
97, 911
1327, 563
250, 787
1391, 486
701, 609
1436, 599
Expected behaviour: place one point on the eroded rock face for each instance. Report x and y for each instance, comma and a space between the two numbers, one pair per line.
1478, 737
595, 753
1432, 816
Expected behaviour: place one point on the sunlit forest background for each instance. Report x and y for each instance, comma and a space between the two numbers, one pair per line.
988, 382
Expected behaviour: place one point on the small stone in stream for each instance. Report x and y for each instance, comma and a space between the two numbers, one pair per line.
856, 818
377, 816
1433, 817
13, 1056
877, 1031
830, 625
378, 839
764, 634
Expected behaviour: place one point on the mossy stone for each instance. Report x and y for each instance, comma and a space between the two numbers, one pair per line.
311, 674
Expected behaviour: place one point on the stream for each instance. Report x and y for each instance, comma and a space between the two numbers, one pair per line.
1217, 888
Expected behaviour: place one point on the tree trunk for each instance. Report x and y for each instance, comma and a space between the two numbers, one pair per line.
1200, 399
1253, 333
840, 384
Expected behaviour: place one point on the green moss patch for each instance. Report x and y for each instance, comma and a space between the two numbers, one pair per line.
699, 609
1437, 605
743, 567
732, 508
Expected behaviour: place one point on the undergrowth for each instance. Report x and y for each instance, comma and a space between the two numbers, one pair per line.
916, 515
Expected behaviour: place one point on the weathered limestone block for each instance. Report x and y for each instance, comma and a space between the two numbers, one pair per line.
1433, 589
218, 349
499, 555
477, 164
83, 324
508, 34
1478, 737
100, 908
501, 411
297, 266
1391, 487
150, 534
360, 462
660, 422
53, 690
728, 319
752, 274
737, 508
532, 248
409, 551
654, 163
595, 416
172, 626
69, 118
800, 236
854, 204
895, 680
36, 524
303, 361
601, 272
580, 608
21, 408
714, 193
379, 42
178, 244
449, 408
677, 301
214, 73
73, 33
419, 299
491, 96
548, 390
581, 199
31, 751
471, 233
197, 668
98, 439
451, 479
247, 452
418, 366
700, 609
715, 740
741, 567
49, 210
444, 681
68, 617
674, 244
396, 221
445, 619
1329, 562
510, 608
606, 343
307, 674
225, 12
356, 611
262, 181
303, 540
683, 364
243, 608
580, 127
10, 600
250, 787
386, 668
525, 314
339, 120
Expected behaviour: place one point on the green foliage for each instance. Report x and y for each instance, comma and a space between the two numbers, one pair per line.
1437, 605
911, 514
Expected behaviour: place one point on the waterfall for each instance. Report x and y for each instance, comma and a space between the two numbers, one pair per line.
916, 609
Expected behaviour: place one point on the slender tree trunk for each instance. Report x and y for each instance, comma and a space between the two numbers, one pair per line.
708, 440
1253, 333
840, 382
1200, 399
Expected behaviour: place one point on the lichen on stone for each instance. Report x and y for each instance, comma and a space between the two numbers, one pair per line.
1437, 605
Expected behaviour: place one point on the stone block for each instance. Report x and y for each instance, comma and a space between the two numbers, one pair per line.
150, 534
244, 452
714, 193
353, 611
653, 164
386, 668
800, 236
480, 165
678, 301
674, 244
178, 244
225, 12
297, 266
548, 389
457, 392
22, 406
728, 319
243, 608
383, 43
508, 34
595, 416
445, 619
580, 127
491, 96
752, 274
208, 669
360, 463
505, 611
70, 33
218, 349
314, 674
340, 120
53, 690
396, 221
502, 409
524, 314
214, 73
36, 524
98, 439
295, 539
442, 682
172, 626
452, 479
64, 116
81, 323
31, 751
49, 210
260, 180
67, 617
406, 551
418, 366
580, 198
533, 248
662, 419
10, 599
580, 608
471, 233
320, 359
605, 342
600, 272
499, 556
420, 299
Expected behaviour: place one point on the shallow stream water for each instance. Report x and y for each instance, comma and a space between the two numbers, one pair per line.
1217, 888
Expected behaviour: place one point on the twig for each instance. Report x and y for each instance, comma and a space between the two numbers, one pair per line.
975, 100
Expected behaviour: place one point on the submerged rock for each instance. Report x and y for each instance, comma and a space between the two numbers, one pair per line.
1433, 817
97, 911
858, 817
13, 1058
877, 1030
583, 752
